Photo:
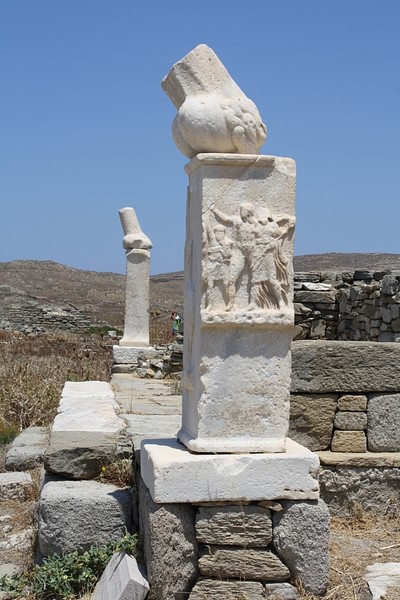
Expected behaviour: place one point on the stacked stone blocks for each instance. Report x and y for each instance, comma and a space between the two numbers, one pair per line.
358, 306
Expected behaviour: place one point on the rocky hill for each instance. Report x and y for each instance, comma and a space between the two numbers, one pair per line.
101, 296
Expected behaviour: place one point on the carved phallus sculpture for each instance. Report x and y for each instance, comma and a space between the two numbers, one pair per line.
214, 115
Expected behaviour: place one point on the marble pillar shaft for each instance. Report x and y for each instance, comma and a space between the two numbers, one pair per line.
238, 310
136, 327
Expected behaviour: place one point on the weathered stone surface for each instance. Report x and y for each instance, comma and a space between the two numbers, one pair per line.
311, 419
15, 486
238, 310
167, 466
384, 422
373, 489
122, 579
313, 297
354, 367
353, 402
26, 451
214, 115
79, 455
311, 276
301, 537
85, 432
170, 546
234, 525
351, 421
363, 459
317, 287
349, 441
73, 515
125, 355
247, 564
280, 591
226, 590
383, 580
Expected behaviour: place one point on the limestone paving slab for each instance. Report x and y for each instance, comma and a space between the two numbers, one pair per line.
85, 432
167, 466
138, 396
142, 427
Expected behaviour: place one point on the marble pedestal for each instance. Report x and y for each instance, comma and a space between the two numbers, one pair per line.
238, 309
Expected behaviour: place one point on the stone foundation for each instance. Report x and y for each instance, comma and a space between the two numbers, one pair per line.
221, 550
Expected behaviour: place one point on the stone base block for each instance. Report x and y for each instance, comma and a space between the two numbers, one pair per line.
26, 451
73, 515
167, 466
85, 432
129, 354
301, 538
169, 546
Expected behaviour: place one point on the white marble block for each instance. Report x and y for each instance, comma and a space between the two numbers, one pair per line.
172, 474
238, 310
137, 246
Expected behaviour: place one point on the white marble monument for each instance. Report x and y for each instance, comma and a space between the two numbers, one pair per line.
136, 327
238, 305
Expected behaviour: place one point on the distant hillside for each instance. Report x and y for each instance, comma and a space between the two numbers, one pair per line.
102, 295
337, 261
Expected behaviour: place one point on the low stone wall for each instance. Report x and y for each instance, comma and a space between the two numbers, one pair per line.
33, 317
358, 306
346, 396
345, 405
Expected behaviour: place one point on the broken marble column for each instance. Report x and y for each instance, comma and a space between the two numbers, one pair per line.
214, 115
136, 327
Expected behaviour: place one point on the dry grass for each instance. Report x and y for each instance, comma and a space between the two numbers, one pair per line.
356, 543
34, 369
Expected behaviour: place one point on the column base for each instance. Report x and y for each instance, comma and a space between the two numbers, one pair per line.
174, 475
235, 445
123, 355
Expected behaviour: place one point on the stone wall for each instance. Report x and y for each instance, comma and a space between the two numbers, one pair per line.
33, 316
345, 405
360, 306
346, 396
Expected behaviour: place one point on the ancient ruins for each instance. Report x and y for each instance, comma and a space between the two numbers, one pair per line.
227, 505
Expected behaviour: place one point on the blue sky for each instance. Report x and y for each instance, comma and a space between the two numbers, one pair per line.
85, 127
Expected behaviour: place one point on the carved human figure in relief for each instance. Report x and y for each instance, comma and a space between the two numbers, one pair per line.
269, 284
219, 254
257, 250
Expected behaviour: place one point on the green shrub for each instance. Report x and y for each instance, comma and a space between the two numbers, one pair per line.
8, 431
63, 577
